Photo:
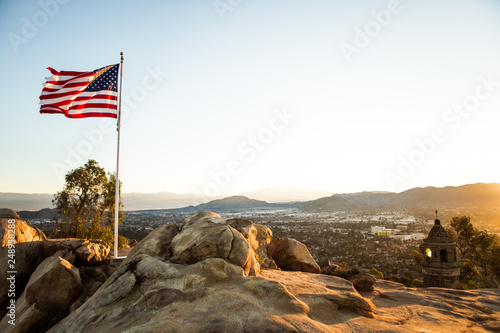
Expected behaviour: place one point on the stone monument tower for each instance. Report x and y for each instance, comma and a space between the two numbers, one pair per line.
440, 267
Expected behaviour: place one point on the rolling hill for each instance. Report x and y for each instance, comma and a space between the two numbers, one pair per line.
236, 202
274, 195
471, 195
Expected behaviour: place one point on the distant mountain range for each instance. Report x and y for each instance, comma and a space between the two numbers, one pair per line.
235, 203
292, 195
132, 201
46, 213
162, 200
428, 197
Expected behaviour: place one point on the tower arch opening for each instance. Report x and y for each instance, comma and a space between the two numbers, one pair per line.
442, 256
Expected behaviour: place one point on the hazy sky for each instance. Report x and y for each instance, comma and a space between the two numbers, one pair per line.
222, 97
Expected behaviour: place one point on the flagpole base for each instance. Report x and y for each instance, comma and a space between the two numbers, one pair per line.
117, 261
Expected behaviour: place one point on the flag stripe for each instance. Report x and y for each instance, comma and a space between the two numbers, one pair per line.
88, 112
61, 93
81, 94
112, 100
85, 96
73, 83
74, 93
97, 113
94, 106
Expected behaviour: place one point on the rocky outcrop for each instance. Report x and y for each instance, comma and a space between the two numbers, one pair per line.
401, 309
26, 252
88, 252
263, 238
211, 236
50, 285
199, 279
92, 253
203, 279
51, 246
22, 232
47, 297
213, 295
257, 235
290, 254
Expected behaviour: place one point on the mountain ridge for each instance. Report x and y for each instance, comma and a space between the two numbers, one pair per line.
161, 200
233, 202
274, 195
478, 194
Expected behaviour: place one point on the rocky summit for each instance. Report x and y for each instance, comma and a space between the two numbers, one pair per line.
216, 274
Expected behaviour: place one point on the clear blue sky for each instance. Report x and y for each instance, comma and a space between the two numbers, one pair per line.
227, 96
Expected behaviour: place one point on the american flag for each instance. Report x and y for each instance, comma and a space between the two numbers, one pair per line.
81, 94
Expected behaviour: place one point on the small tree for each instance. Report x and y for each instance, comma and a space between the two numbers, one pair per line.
418, 257
477, 251
495, 259
86, 205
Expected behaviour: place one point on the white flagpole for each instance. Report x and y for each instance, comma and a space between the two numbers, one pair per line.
117, 193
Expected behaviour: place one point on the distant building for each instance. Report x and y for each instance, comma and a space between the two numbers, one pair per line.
381, 231
440, 266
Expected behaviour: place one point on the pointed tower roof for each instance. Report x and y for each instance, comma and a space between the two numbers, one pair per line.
438, 234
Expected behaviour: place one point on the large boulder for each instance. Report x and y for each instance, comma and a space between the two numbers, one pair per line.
363, 282
257, 235
88, 252
197, 217
290, 254
262, 240
51, 246
54, 284
21, 233
26, 252
92, 253
207, 235
47, 297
